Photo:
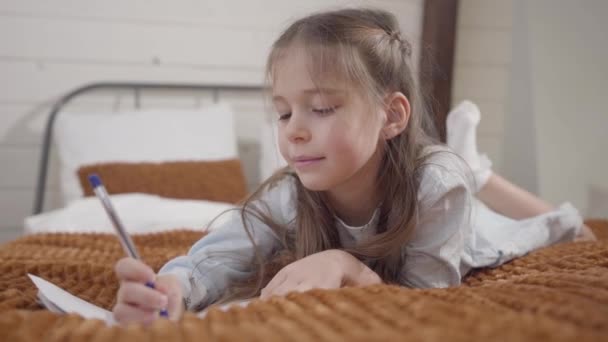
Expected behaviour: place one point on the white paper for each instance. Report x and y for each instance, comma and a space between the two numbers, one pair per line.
60, 301
224, 307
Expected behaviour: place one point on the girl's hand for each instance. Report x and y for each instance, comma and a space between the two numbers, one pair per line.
329, 269
136, 302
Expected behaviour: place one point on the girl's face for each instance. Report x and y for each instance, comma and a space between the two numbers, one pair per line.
327, 134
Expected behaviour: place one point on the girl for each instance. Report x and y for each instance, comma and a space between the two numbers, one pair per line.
368, 195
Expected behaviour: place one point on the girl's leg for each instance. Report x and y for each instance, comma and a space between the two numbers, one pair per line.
493, 190
510, 200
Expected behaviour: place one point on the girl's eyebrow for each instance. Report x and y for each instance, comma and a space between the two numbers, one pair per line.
313, 91
323, 90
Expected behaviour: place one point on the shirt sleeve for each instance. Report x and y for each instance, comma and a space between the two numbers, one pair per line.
226, 253
433, 255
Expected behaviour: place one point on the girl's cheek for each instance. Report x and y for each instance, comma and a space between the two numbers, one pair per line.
338, 138
339, 144
282, 140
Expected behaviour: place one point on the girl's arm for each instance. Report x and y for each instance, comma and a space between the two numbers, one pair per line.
330, 269
225, 254
356, 273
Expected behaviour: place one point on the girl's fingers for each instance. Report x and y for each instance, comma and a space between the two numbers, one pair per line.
139, 295
290, 286
133, 270
170, 286
124, 313
277, 281
283, 289
303, 287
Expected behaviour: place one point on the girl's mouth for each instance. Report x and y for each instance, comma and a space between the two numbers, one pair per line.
307, 161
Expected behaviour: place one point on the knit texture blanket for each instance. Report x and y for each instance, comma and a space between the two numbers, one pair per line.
558, 293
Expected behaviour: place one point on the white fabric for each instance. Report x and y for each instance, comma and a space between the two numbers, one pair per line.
271, 159
461, 127
433, 256
350, 235
141, 136
139, 213
453, 235
500, 236
457, 232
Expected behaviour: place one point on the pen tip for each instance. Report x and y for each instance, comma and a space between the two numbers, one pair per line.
94, 180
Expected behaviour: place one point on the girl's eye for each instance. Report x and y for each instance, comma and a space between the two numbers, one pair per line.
325, 111
283, 117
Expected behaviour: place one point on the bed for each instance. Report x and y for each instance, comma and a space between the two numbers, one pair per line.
557, 293
554, 294
184, 167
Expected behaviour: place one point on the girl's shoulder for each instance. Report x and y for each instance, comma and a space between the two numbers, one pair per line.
440, 172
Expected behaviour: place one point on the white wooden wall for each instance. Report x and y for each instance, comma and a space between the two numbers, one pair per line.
482, 66
563, 53
519, 60
48, 48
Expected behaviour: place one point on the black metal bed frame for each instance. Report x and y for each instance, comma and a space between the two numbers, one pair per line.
137, 88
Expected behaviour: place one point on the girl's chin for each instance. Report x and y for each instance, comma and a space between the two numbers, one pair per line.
313, 184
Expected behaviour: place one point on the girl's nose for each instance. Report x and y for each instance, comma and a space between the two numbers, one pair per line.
297, 129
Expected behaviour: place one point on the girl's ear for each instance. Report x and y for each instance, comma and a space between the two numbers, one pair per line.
397, 115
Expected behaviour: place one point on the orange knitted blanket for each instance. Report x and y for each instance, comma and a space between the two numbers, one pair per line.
557, 293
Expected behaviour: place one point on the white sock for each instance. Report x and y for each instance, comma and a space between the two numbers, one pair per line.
461, 126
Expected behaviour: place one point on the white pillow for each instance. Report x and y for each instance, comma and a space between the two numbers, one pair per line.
271, 159
141, 136
140, 213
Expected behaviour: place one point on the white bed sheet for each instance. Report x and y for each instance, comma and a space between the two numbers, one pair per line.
140, 213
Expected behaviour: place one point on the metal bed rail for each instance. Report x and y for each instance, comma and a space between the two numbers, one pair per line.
137, 88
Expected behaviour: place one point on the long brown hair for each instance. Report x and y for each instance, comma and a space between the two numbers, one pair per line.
364, 48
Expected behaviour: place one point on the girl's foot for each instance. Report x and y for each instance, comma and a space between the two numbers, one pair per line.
461, 128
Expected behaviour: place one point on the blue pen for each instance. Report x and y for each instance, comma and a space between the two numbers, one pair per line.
125, 239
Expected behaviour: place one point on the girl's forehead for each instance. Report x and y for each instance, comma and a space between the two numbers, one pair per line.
297, 70
297, 89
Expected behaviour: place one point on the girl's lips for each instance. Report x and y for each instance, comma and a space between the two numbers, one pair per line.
300, 162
